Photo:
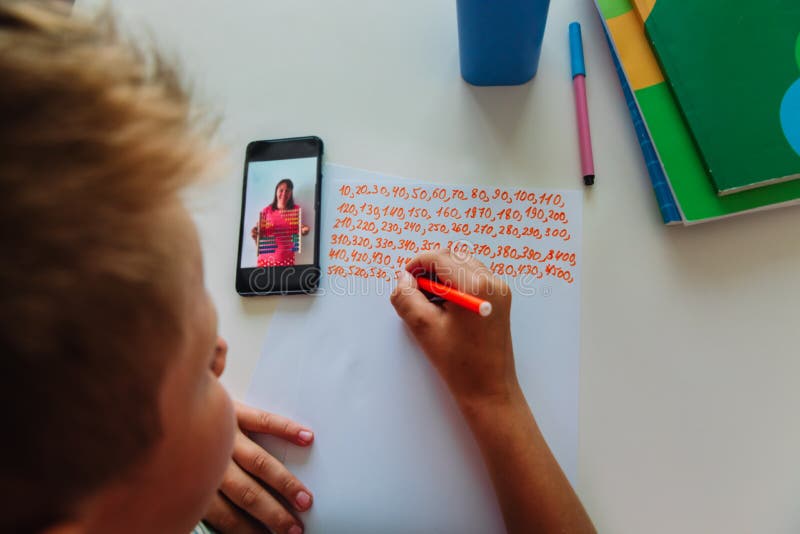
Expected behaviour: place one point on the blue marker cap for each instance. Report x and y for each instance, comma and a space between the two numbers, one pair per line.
576, 49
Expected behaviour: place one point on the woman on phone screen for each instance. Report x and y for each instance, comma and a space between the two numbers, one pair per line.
280, 226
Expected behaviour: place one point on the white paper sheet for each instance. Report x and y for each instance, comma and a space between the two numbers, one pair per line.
391, 453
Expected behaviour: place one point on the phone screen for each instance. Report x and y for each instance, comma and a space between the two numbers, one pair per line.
279, 236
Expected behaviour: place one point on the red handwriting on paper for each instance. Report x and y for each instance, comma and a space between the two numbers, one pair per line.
379, 228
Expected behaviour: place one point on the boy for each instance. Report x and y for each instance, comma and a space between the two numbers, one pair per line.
109, 390
106, 331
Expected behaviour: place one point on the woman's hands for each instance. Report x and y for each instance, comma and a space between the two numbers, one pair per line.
304, 230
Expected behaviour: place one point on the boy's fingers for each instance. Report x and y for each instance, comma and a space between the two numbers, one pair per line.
253, 420
412, 306
454, 268
246, 493
226, 518
259, 463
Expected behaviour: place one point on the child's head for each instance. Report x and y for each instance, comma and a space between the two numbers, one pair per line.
113, 418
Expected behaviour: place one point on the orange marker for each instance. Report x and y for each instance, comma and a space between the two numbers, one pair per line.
469, 302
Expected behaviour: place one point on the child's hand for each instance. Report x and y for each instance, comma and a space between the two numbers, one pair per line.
250, 470
473, 354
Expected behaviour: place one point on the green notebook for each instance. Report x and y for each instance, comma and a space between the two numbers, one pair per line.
733, 66
694, 193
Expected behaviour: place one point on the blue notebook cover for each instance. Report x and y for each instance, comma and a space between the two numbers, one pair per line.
666, 202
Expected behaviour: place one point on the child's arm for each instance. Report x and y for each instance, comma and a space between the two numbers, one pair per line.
474, 356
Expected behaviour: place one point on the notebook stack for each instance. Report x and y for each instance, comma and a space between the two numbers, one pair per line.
713, 88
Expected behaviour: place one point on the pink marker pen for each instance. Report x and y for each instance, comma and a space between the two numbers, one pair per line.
581, 108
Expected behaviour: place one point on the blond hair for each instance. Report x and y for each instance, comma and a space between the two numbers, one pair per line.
96, 140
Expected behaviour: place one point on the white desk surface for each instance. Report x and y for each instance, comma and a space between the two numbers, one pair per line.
690, 372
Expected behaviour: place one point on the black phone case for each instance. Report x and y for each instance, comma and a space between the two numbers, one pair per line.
259, 281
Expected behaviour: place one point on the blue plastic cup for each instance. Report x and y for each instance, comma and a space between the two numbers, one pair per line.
500, 40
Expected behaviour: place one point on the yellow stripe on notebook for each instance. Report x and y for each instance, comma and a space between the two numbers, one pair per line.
634, 51
644, 7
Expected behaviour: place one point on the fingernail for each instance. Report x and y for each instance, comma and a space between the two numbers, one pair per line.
305, 436
295, 530
303, 500
405, 277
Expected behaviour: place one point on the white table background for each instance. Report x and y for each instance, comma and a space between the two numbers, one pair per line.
690, 373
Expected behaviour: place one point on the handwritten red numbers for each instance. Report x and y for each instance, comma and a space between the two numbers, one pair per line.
377, 229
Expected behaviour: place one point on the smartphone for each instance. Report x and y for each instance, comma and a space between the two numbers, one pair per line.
280, 223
